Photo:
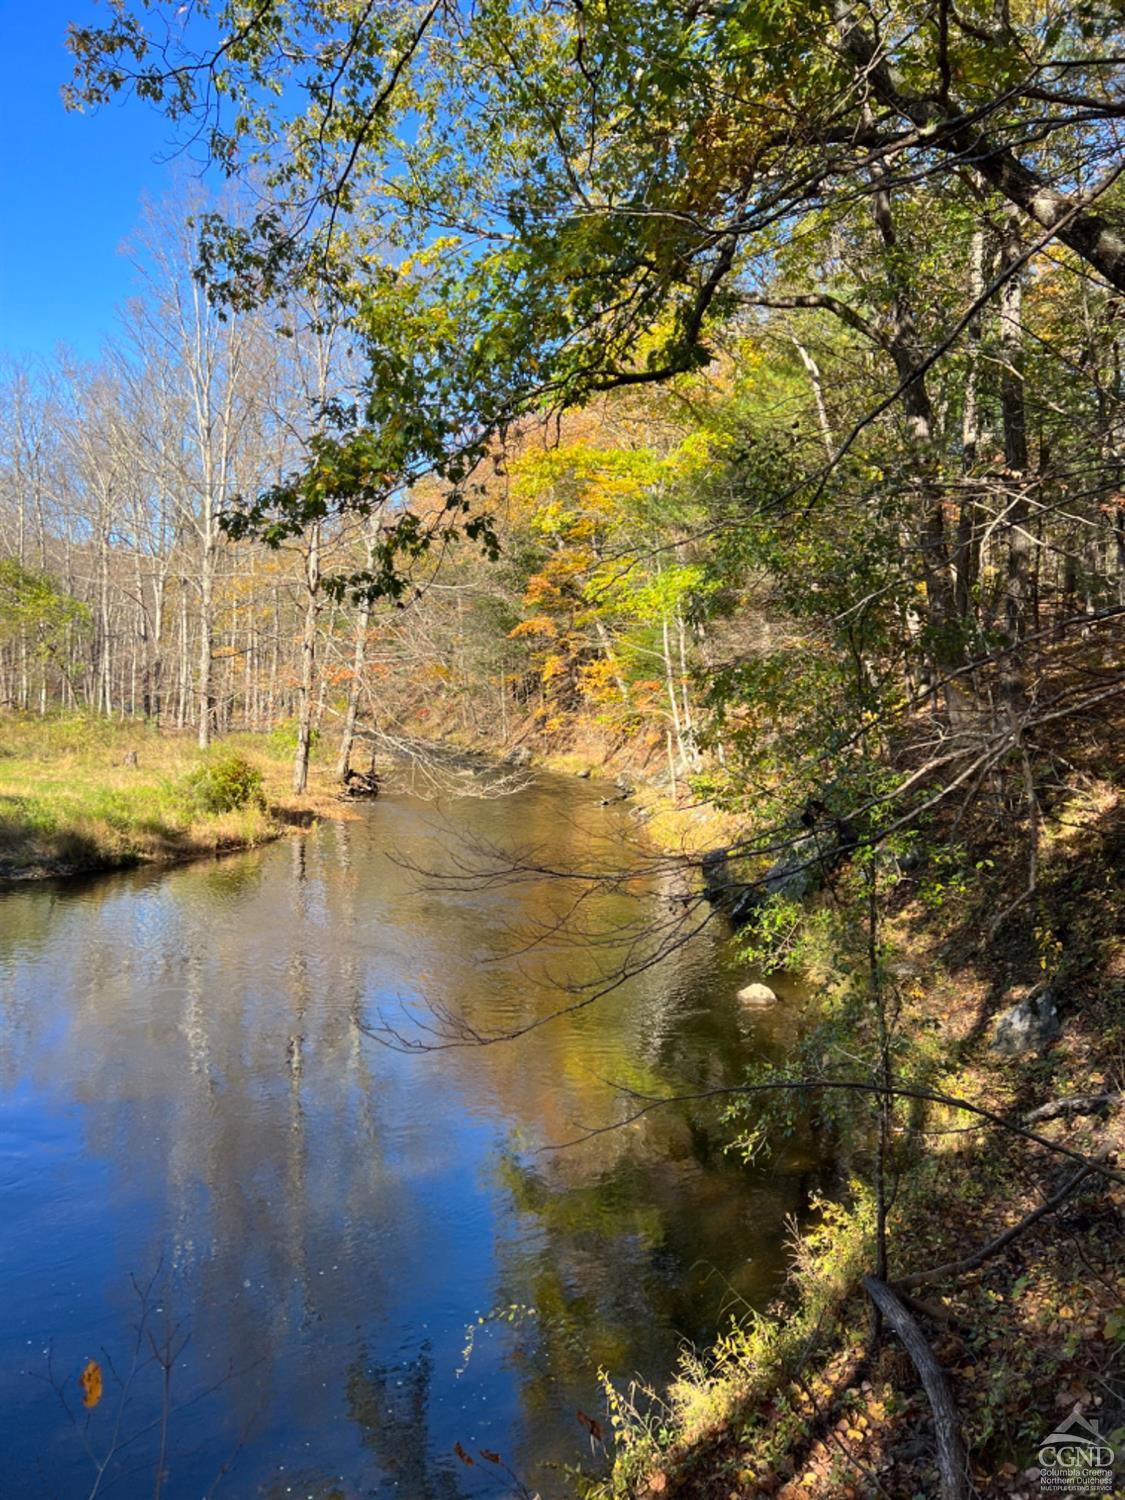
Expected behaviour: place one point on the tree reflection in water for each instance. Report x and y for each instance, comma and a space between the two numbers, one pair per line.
187, 1073
391, 1403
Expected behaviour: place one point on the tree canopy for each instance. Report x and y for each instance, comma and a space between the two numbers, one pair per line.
517, 206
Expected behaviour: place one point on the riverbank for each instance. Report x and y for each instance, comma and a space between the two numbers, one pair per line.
81, 793
812, 1399
632, 768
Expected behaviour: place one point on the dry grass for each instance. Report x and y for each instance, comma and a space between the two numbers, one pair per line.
690, 828
79, 792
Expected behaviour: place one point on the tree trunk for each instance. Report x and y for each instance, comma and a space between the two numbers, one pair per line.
1015, 441
308, 662
905, 351
347, 738
184, 685
966, 556
206, 626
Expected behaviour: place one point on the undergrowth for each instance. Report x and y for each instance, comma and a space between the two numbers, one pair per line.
801, 1400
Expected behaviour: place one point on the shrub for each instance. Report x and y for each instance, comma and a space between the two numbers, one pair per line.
224, 783
282, 738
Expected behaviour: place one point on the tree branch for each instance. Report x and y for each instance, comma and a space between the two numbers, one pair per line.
986, 1252
1069, 219
825, 302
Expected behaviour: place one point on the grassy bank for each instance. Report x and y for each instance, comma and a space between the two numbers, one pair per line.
79, 792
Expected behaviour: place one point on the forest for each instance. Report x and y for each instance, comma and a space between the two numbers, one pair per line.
722, 400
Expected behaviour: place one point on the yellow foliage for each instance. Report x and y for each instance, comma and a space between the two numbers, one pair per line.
598, 681
537, 625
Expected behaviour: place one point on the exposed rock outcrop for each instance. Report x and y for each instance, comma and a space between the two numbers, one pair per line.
801, 871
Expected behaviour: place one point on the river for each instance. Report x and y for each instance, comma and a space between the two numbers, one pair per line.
199, 1138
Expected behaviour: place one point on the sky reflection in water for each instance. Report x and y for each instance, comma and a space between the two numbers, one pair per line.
186, 1093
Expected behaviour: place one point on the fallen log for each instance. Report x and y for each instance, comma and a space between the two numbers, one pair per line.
1076, 1104
953, 1463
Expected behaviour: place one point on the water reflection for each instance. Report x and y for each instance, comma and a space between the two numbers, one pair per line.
391, 1406
186, 1082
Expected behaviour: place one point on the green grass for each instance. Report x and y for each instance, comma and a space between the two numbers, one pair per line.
81, 792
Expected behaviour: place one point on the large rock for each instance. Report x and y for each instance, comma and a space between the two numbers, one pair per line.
520, 756
801, 871
725, 891
1028, 1026
757, 994
719, 880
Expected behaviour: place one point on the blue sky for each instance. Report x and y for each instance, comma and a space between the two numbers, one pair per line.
71, 188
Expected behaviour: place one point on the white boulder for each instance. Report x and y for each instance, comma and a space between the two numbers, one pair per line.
757, 994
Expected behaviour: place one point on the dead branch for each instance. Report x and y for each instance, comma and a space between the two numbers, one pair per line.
953, 1461
650, 1102
433, 770
994, 1247
1076, 1104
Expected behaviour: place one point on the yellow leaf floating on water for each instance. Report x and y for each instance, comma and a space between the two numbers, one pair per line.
91, 1381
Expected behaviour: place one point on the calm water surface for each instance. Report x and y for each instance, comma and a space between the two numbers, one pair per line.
189, 1102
